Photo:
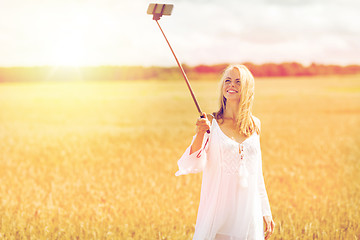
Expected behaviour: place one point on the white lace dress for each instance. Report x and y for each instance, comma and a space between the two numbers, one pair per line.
233, 198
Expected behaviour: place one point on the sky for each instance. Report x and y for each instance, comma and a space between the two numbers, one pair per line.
119, 32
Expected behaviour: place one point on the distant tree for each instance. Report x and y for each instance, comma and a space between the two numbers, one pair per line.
351, 69
104, 73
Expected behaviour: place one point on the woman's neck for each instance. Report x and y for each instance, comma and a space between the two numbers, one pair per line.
231, 111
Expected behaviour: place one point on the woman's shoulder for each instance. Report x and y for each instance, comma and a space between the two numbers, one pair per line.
256, 121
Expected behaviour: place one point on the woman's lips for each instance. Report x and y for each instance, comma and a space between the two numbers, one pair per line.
231, 91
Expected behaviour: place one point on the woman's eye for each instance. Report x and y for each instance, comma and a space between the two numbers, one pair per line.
227, 81
238, 82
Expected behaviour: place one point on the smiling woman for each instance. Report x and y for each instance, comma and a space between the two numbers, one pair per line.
233, 201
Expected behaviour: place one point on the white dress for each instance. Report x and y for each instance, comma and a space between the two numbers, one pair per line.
233, 198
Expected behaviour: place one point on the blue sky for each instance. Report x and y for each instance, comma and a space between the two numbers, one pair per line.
118, 32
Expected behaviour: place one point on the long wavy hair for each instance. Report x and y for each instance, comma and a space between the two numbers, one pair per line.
245, 122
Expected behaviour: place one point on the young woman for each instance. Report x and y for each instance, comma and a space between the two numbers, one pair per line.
233, 202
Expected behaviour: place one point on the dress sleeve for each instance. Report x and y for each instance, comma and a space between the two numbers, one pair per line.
195, 162
265, 205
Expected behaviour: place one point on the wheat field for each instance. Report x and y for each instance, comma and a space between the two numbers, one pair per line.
96, 160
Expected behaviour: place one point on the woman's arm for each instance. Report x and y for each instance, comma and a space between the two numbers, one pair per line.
194, 158
265, 205
261, 184
202, 125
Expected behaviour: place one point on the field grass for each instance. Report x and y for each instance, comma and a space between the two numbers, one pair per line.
97, 160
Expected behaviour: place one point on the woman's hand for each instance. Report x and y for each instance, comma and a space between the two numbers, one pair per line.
202, 124
269, 226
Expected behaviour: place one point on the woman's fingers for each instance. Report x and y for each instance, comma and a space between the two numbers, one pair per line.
201, 121
269, 226
203, 124
267, 231
270, 230
203, 128
272, 226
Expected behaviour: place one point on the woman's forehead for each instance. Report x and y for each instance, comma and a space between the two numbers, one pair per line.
232, 73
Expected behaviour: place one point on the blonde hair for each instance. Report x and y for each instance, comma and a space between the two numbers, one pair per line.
245, 122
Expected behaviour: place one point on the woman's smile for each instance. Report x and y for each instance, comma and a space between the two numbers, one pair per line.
231, 91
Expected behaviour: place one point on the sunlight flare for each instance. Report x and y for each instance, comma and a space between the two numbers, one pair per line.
69, 50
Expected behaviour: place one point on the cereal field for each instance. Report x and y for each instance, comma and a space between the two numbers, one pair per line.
96, 160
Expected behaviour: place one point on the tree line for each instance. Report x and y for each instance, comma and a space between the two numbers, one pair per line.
48, 73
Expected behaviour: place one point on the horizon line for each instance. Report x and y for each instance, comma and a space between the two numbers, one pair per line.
171, 66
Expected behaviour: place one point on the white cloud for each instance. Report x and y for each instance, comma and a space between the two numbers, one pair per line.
275, 31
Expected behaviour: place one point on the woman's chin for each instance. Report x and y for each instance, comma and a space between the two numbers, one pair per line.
233, 98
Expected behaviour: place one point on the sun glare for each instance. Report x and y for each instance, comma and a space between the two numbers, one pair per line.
84, 37
69, 51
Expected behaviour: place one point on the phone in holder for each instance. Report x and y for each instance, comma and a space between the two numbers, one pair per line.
158, 10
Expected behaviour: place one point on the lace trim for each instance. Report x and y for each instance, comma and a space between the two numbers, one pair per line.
234, 163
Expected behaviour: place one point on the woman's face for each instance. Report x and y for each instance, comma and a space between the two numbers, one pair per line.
232, 85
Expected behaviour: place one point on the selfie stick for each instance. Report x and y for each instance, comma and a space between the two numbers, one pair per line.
165, 9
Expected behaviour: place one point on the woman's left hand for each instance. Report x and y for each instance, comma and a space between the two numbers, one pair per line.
269, 226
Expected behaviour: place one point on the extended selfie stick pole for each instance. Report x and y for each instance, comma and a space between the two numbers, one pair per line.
165, 9
182, 71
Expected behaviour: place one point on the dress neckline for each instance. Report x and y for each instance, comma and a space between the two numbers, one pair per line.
230, 137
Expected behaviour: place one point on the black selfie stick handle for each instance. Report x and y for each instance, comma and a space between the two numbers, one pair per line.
183, 73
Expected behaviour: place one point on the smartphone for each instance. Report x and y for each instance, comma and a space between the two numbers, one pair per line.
160, 9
